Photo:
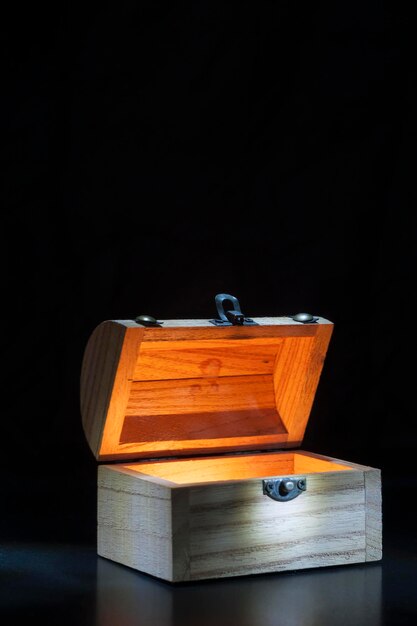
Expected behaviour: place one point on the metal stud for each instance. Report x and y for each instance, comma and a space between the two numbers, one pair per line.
146, 320
304, 318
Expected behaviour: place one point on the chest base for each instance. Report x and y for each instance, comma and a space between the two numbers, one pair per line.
210, 517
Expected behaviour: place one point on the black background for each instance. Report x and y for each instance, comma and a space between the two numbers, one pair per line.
159, 153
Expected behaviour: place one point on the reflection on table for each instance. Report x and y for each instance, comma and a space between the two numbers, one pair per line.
304, 598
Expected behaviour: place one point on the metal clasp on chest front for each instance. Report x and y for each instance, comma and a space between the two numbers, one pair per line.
284, 489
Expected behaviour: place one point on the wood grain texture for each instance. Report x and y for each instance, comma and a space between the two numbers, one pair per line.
235, 529
231, 528
134, 522
195, 330
98, 376
209, 359
373, 501
297, 372
108, 363
201, 409
180, 524
189, 387
182, 397
235, 467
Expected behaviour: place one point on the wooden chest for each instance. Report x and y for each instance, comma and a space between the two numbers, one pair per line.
199, 427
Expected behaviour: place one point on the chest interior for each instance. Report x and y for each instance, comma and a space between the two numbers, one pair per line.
235, 468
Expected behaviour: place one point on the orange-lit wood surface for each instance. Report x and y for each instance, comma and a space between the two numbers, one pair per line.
195, 519
241, 467
189, 387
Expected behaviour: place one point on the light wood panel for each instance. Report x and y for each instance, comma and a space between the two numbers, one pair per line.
226, 528
133, 518
235, 529
373, 503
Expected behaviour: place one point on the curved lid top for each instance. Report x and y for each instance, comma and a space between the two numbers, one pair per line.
187, 387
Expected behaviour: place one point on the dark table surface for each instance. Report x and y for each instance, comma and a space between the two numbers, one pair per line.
51, 573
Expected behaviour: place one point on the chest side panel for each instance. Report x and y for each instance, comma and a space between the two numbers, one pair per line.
134, 522
235, 529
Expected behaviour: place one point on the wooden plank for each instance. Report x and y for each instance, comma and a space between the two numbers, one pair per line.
172, 360
196, 330
205, 323
201, 409
109, 357
236, 530
180, 512
297, 372
321, 457
373, 500
304, 463
182, 397
120, 392
190, 447
134, 522
194, 427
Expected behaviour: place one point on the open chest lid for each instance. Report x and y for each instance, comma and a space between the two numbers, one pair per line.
188, 387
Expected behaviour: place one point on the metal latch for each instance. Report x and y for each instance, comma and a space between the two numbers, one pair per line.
284, 489
230, 315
